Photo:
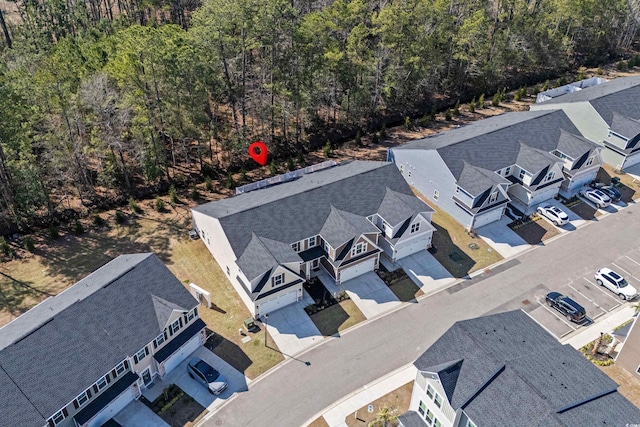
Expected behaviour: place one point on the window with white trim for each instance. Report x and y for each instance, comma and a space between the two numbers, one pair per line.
430, 391
383, 227
589, 161
415, 227
358, 249
228, 271
429, 416
101, 383
550, 176
437, 423
175, 327
507, 170
493, 197
312, 241
58, 417
438, 400
325, 246
277, 280
191, 315
159, 339
402, 169
521, 174
422, 408
436, 194
296, 246
121, 368
82, 398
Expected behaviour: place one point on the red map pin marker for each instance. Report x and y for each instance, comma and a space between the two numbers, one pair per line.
258, 152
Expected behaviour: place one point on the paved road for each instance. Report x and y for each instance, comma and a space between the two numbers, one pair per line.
295, 392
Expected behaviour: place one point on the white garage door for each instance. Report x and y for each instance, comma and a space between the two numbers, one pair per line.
583, 180
487, 218
545, 195
112, 409
174, 360
278, 303
411, 248
357, 270
630, 161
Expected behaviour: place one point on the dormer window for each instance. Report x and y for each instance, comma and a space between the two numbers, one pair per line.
493, 197
277, 280
550, 176
312, 241
383, 227
559, 154
325, 246
358, 249
507, 171
296, 246
415, 227
521, 174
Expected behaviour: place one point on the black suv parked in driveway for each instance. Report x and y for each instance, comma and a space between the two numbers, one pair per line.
565, 305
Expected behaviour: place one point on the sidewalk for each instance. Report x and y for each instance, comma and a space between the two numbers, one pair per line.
335, 414
606, 325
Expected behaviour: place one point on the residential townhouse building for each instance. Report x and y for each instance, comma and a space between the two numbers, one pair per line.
80, 357
339, 220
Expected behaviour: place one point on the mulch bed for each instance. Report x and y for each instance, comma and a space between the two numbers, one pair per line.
585, 211
534, 230
176, 407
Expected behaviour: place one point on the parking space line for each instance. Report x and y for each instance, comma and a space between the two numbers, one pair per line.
556, 314
604, 292
632, 260
620, 268
539, 323
590, 300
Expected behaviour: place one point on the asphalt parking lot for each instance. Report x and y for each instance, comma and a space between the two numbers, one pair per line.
597, 300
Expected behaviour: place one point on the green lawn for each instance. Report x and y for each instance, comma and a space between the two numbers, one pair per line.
452, 242
337, 318
55, 265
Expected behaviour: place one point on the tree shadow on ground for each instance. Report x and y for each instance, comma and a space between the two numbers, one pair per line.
452, 257
229, 351
13, 293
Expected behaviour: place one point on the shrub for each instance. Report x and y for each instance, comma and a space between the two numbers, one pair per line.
472, 105
383, 131
301, 158
290, 165
243, 175
273, 169
230, 183
545, 86
517, 95
4, 245
536, 90
562, 81
456, 108
599, 71
29, 244
159, 204
580, 75
133, 205
407, 122
54, 233
78, 228
622, 65
120, 218
173, 194
433, 113
481, 102
496, 100
208, 184
195, 193
326, 150
359, 138
374, 138
98, 221
447, 115
636, 60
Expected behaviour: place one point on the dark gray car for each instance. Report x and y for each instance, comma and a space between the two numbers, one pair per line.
565, 305
206, 375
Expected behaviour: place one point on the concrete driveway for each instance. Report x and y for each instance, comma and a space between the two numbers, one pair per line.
371, 294
503, 239
575, 220
292, 329
137, 414
179, 376
426, 271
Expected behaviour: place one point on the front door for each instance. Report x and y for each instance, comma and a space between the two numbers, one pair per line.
315, 263
146, 377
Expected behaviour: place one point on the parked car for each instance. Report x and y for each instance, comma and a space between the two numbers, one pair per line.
609, 190
206, 375
615, 283
553, 214
568, 307
600, 199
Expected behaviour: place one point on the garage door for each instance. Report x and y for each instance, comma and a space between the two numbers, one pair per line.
278, 303
112, 409
582, 181
174, 360
357, 270
411, 248
541, 197
487, 218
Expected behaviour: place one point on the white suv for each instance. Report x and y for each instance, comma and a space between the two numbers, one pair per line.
597, 197
553, 214
615, 283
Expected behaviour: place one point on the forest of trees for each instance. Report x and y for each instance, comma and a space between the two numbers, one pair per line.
103, 97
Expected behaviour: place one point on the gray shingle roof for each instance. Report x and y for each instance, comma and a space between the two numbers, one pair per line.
397, 207
296, 210
340, 226
625, 126
263, 254
495, 143
508, 358
15, 408
573, 145
474, 180
103, 322
534, 160
411, 419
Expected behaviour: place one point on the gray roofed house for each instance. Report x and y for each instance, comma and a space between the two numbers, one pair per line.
606, 114
88, 335
504, 368
473, 171
338, 219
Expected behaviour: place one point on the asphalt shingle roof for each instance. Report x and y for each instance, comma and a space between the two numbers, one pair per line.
496, 142
341, 226
533, 160
263, 254
296, 210
474, 180
103, 322
573, 145
625, 126
411, 419
508, 358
